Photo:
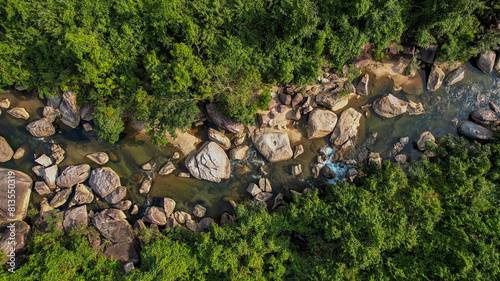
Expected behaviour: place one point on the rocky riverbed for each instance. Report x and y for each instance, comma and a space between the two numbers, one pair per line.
307, 137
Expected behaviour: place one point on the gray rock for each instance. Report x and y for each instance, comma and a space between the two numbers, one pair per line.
19, 113
87, 113
484, 117
325, 100
285, 99
15, 238
73, 175
100, 158
167, 169
362, 87
70, 111
51, 113
297, 99
389, 106
299, 149
274, 146
321, 122
239, 152
117, 195
181, 217
42, 188
455, 76
83, 195
112, 224
6, 151
104, 181
265, 185
49, 175
204, 224
128, 267
145, 186
263, 196
199, 211
155, 215
41, 128
61, 197
436, 78
54, 101
168, 206
474, 131
486, 61
209, 163
253, 189
75, 217
222, 121
22, 186
124, 252
219, 138
425, 137
347, 127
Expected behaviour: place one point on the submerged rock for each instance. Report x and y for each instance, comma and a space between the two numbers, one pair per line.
19, 113
145, 186
167, 169
274, 146
22, 186
299, 149
474, 131
70, 111
296, 169
455, 76
415, 108
41, 128
436, 78
486, 61
347, 127
100, 158
104, 181
209, 163
73, 175
20, 152
389, 106
320, 123
6, 151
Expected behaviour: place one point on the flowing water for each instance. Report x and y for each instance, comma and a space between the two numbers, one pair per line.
133, 150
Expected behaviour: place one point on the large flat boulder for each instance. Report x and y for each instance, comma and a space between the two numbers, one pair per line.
70, 111
347, 127
223, 121
113, 225
41, 128
19, 113
389, 106
6, 151
75, 217
73, 175
21, 183
320, 123
273, 145
104, 181
474, 131
209, 163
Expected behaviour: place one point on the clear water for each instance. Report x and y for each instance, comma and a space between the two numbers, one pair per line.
133, 150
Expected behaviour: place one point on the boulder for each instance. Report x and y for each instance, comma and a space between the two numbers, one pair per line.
167, 169
168, 206
455, 76
296, 169
263, 196
70, 112
191, 225
73, 175
75, 217
325, 100
51, 113
49, 175
265, 185
20, 152
253, 189
274, 146
113, 225
321, 122
44, 160
135, 210
327, 172
362, 87
298, 98
104, 181
209, 163
87, 113
219, 138
375, 158
436, 78
347, 127
239, 139
4, 103
21, 182
415, 108
145, 186
117, 195
239, 152
87, 127
222, 121
41, 128
83, 195
401, 158
57, 153
147, 167
155, 215
299, 149
45, 206
42, 188
14, 237
184, 175
486, 61
428, 55
54, 101
123, 205
425, 137
474, 131
484, 117
181, 217
124, 252
61, 197
199, 211
204, 224
100, 158
6, 151
19, 113
389, 106
285, 99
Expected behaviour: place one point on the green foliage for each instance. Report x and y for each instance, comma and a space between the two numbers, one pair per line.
109, 122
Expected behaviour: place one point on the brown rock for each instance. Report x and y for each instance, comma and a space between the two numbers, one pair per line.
167, 169
321, 123
19, 113
239, 152
219, 138
199, 211
41, 128
6, 151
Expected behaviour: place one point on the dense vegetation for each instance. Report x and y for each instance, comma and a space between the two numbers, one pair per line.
159, 59
433, 219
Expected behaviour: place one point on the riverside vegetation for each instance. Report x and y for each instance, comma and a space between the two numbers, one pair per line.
160, 59
436, 218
